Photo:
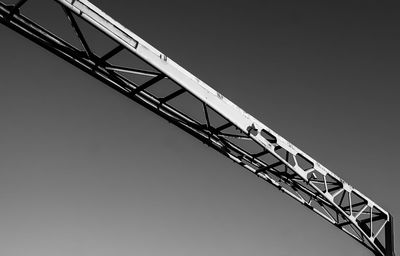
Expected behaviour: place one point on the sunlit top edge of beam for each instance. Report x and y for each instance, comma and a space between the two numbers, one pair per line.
214, 99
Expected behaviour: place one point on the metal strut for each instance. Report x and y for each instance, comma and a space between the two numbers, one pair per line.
239, 136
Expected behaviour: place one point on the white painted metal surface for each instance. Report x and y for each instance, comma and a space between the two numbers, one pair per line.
257, 131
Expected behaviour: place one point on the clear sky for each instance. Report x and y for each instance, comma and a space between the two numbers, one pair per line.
85, 171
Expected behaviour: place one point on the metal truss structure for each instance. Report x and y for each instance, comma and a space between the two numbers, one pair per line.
162, 86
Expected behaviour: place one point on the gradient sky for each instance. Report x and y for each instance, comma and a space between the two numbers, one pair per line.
85, 171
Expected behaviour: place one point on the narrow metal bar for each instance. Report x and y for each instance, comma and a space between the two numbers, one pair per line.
206, 115
223, 127
361, 211
343, 224
342, 198
262, 169
371, 222
334, 188
287, 160
354, 205
113, 52
380, 217
330, 215
338, 192
243, 137
389, 237
147, 84
357, 231
78, 31
317, 181
172, 95
132, 70
264, 152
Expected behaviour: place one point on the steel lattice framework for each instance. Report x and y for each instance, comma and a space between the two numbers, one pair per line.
173, 93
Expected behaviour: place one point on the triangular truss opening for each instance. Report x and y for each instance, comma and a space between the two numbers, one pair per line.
358, 204
50, 14
343, 201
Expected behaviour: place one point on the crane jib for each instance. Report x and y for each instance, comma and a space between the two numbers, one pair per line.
238, 135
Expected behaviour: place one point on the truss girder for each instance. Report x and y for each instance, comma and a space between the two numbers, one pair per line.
239, 136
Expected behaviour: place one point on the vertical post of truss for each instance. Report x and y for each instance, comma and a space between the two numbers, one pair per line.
389, 237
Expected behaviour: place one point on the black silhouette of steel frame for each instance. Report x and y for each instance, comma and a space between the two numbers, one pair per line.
322, 192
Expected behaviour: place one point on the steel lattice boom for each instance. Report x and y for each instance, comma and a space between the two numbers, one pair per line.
217, 122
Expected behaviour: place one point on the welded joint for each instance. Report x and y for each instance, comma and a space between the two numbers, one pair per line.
14, 9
